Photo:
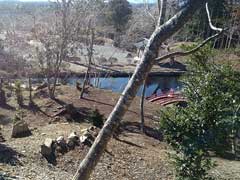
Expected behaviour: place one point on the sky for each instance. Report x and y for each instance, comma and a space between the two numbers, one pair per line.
132, 1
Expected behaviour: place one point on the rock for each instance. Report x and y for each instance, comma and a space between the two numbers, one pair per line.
73, 139
60, 140
20, 129
92, 128
47, 149
61, 145
93, 131
87, 134
73, 136
60, 107
85, 140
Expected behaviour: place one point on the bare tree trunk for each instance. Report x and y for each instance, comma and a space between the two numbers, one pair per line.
2, 94
142, 106
85, 80
30, 104
147, 61
90, 55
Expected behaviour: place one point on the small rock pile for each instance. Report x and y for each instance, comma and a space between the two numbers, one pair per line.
51, 148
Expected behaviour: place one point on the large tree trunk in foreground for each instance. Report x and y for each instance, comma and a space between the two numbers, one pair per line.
147, 61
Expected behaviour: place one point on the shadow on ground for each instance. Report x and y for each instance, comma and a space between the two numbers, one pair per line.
134, 127
9, 155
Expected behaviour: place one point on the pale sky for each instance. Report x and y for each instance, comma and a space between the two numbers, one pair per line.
133, 1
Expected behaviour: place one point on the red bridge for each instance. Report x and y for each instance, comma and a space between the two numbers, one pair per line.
167, 98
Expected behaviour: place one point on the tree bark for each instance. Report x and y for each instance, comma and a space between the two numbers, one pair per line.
30, 104
3, 100
90, 56
142, 106
160, 34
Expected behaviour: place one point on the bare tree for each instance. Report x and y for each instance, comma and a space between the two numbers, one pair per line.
160, 34
89, 44
55, 38
3, 100
142, 107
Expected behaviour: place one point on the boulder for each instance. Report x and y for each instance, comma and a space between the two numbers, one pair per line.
61, 145
20, 129
60, 140
83, 139
87, 138
47, 148
93, 130
73, 140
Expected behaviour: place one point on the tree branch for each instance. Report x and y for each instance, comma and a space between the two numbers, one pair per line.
162, 11
148, 12
180, 53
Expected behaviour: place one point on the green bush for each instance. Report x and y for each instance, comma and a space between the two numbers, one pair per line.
96, 118
210, 120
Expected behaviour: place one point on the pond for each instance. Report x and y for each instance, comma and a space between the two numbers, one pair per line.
117, 84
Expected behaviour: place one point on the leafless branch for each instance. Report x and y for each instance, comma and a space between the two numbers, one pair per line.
148, 12
162, 11
180, 53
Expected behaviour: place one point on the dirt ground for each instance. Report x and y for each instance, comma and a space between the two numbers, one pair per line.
131, 156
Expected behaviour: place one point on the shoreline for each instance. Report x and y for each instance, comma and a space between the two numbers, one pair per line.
114, 74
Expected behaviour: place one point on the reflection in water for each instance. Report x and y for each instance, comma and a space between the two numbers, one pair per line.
118, 84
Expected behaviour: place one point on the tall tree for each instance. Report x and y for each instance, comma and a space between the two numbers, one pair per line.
160, 34
118, 14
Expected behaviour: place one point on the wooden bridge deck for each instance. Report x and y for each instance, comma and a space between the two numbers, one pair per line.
166, 99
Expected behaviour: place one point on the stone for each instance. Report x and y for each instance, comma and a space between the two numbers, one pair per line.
60, 107
93, 131
47, 148
60, 140
73, 136
87, 134
85, 140
92, 128
73, 139
20, 129
61, 145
